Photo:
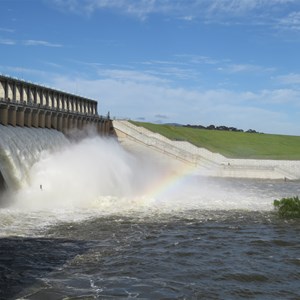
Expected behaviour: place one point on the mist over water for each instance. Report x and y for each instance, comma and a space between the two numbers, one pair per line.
83, 174
98, 175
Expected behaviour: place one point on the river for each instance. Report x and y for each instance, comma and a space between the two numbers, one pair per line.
96, 222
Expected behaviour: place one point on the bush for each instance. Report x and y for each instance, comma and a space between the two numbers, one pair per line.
288, 207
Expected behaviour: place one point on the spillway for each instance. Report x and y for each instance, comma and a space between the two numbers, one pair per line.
20, 148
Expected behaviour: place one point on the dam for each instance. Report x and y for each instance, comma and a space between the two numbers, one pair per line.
31, 105
36, 118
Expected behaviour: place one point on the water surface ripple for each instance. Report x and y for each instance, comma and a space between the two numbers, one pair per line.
194, 255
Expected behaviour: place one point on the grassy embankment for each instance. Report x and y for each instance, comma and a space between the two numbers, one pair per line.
233, 144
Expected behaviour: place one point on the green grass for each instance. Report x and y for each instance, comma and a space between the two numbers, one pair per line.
233, 144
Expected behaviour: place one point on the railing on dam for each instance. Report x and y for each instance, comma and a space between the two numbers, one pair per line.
27, 104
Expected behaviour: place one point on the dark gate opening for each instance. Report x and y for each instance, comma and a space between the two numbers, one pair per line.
3, 188
2, 183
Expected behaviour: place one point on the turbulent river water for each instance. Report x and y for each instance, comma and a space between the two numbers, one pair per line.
92, 221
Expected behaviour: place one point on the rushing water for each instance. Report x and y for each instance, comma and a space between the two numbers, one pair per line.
96, 222
20, 148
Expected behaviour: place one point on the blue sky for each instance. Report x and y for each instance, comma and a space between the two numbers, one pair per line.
221, 62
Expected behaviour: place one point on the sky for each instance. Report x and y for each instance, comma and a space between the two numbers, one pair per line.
223, 62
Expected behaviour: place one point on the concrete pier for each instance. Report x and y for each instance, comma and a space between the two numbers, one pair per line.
20, 116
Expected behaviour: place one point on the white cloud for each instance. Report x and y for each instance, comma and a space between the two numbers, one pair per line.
240, 7
7, 30
284, 98
161, 116
198, 59
128, 75
52, 64
289, 79
291, 21
29, 43
131, 7
19, 70
245, 68
7, 42
188, 18
267, 110
140, 94
40, 43
223, 65
209, 11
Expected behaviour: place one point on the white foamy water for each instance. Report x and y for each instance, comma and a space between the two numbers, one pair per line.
98, 177
99, 174
20, 148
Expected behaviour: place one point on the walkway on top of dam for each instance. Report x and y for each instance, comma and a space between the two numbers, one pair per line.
27, 104
206, 163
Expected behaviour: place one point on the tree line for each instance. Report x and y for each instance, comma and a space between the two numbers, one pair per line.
224, 128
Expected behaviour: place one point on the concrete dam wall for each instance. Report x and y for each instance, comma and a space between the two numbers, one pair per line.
205, 162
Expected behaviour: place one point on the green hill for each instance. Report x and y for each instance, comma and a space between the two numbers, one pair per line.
233, 144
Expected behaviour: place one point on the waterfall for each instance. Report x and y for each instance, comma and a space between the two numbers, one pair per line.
20, 148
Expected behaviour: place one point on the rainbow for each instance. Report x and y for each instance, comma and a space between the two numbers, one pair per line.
167, 184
